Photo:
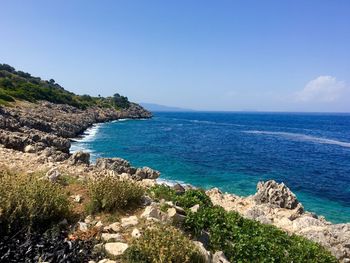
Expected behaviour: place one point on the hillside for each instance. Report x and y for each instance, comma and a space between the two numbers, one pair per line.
22, 86
37, 115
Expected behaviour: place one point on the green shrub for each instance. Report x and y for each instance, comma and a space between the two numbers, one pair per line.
244, 240
109, 194
29, 202
186, 200
192, 197
5, 97
163, 244
161, 191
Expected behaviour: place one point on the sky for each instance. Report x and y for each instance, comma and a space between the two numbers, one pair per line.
205, 55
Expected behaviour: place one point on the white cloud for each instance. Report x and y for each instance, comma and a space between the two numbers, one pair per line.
321, 89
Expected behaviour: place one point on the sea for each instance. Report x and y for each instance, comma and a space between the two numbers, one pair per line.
233, 151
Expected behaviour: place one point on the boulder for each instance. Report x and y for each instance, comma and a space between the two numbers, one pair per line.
195, 208
179, 189
118, 165
219, 257
148, 183
53, 175
146, 200
80, 157
205, 254
275, 194
83, 226
146, 173
114, 227
152, 212
129, 221
175, 217
54, 155
115, 249
106, 260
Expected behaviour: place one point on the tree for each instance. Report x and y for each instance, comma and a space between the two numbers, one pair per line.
7, 68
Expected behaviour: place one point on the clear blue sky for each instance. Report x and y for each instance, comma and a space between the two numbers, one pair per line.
210, 55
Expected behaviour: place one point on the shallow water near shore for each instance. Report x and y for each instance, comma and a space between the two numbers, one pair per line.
310, 153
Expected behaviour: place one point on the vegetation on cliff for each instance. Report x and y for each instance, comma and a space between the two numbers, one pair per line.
163, 244
109, 194
28, 202
18, 85
241, 239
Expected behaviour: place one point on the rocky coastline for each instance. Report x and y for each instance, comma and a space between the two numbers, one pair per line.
36, 138
45, 126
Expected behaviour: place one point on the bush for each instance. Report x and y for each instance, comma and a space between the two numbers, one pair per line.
5, 97
244, 240
29, 202
163, 244
192, 197
186, 200
109, 194
161, 191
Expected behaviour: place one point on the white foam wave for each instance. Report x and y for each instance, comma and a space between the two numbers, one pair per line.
89, 134
302, 137
170, 182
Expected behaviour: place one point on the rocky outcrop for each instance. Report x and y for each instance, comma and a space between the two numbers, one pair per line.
33, 127
117, 165
275, 194
275, 204
79, 157
123, 168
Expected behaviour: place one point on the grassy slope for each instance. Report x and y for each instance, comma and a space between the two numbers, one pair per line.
18, 85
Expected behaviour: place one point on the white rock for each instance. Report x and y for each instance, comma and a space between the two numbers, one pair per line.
88, 219
115, 249
29, 149
106, 260
83, 226
115, 227
152, 212
129, 221
136, 233
125, 176
53, 175
99, 224
206, 254
194, 209
219, 257
148, 182
76, 198
174, 216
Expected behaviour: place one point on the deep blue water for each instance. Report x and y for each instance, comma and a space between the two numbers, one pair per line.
233, 151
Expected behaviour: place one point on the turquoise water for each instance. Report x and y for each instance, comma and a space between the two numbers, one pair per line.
233, 151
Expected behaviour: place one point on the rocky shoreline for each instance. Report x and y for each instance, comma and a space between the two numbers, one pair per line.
36, 137
48, 127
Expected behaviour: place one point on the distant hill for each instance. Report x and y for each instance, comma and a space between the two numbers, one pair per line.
19, 85
157, 107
